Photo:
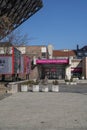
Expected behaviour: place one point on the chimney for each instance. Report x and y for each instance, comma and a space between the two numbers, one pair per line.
77, 47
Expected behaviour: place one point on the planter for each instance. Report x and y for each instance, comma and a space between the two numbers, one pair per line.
73, 83
45, 89
35, 88
13, 88
83, 78
55, 88
67, 83
75, 79
24, 88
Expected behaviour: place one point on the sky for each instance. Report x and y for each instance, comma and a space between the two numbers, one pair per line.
62, 23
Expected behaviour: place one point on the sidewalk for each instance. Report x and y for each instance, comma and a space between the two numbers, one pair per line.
44, 111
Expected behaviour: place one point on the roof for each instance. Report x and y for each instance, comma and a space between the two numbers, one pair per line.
14, 12
84, 48
64, 53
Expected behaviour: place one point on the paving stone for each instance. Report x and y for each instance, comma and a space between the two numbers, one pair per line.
44, 111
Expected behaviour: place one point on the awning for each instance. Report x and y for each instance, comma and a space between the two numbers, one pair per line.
52, 61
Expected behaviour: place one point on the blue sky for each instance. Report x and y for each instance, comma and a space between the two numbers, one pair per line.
62, 23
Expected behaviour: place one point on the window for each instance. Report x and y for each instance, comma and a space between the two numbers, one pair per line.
43, 55
85, 53
80, 54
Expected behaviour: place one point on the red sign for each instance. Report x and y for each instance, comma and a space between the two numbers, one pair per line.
57, 61
76, 69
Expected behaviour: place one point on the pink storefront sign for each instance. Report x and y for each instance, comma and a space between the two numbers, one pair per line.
59, 61
76, 69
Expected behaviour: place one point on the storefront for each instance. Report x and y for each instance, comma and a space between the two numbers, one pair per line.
76, 72
53, 69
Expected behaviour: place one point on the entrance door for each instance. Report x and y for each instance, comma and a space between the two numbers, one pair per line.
55, 73
60, 73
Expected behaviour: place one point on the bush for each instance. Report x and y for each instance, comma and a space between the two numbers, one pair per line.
67, 80
25, 83
30, 81
36, 82
55, 82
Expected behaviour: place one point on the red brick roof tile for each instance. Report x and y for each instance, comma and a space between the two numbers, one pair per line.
64, 53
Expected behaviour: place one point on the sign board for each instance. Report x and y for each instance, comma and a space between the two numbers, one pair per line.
5, 65
52, 61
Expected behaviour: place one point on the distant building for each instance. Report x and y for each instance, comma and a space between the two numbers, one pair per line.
82, 52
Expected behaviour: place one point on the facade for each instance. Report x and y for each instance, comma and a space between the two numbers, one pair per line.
13, 63
39, 51
52, 68
55, 64
74, 67
59, 66
34, 52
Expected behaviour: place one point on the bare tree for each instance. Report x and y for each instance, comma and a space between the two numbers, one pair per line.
16, 38
5, 26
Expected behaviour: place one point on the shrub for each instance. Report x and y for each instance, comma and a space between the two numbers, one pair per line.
55, 82
67, 80
25, 83
36, 82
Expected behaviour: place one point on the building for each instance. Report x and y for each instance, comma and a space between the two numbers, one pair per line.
34, 52
13, 64
56, 64
59, 66
81, 52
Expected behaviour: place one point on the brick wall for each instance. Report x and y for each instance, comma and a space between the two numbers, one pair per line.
34, 73
34, 51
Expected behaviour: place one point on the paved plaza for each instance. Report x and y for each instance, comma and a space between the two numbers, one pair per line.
66, 110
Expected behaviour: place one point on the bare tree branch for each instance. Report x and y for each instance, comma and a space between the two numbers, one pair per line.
16, 38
